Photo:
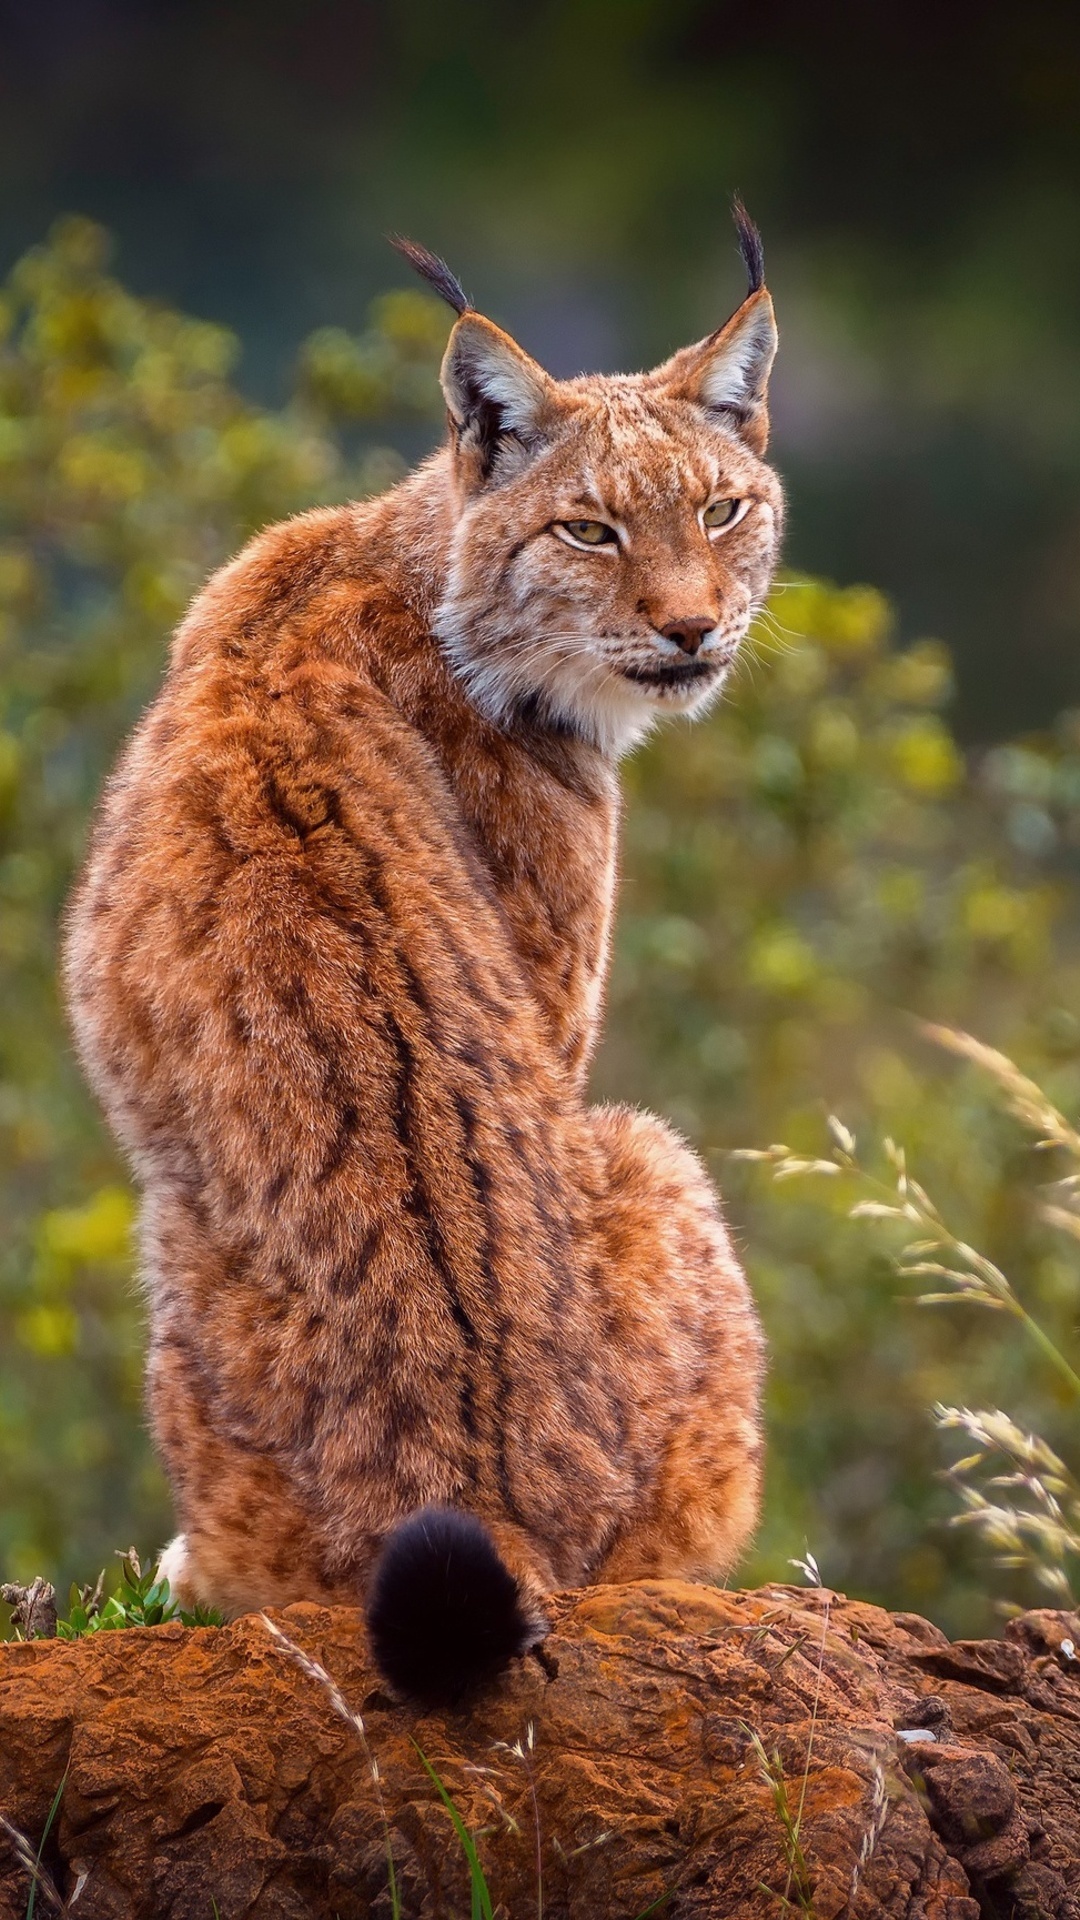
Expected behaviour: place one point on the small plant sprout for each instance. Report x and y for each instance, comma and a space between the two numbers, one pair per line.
31, 1862
482, 1906
771, 1769
797, 1891
483, 1776
141, 1600
587, 1846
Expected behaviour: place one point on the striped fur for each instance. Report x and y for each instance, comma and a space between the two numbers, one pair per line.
336, 967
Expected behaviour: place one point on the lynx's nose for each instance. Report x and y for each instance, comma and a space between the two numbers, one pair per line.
688, 634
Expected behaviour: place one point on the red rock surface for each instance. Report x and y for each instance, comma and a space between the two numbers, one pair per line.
204, 1766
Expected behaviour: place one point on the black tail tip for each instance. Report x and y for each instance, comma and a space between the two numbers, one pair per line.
444, 1615
750, 246
435, 271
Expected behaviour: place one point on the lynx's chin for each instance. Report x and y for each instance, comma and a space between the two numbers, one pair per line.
608, 693
632, 699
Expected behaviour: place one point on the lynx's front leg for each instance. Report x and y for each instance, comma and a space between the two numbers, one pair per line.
674, 1274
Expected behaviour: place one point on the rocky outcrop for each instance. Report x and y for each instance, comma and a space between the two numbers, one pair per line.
657, 1760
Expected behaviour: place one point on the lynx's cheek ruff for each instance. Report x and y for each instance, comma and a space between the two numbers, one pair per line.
428, 1331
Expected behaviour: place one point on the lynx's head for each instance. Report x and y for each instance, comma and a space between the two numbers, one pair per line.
614, 536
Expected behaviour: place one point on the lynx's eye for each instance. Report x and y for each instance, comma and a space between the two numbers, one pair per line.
587, 533
723, 513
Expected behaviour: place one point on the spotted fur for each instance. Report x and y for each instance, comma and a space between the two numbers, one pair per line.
336, 966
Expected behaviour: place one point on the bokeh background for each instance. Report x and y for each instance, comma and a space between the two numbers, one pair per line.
882, 822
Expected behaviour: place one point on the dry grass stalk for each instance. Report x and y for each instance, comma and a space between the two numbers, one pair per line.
40, 1877
879, 1813
522, 1752
934, 1251
41, 1880
1031, 1518
486, 1785
1024, 1098
317, 1672
1035, 1523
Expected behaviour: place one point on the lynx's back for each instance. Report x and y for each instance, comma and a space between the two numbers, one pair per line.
425, 1327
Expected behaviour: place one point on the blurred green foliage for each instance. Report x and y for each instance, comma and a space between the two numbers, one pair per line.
803, 872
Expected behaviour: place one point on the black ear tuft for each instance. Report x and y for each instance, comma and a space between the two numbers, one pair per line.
434, 271
750, 246
444, 1614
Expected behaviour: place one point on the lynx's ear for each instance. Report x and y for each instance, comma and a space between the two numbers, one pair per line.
728, 373
496, 395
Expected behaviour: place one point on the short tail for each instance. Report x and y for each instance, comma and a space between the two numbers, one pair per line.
444, 1614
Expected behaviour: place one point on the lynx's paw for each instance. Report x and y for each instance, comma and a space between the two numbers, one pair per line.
173, 1567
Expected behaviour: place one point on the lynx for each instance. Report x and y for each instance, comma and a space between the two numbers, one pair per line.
428, 1332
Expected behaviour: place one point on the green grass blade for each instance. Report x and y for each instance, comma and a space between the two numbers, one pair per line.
481, 1899
53, 1811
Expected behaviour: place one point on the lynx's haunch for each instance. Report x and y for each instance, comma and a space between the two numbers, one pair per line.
427, 1330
